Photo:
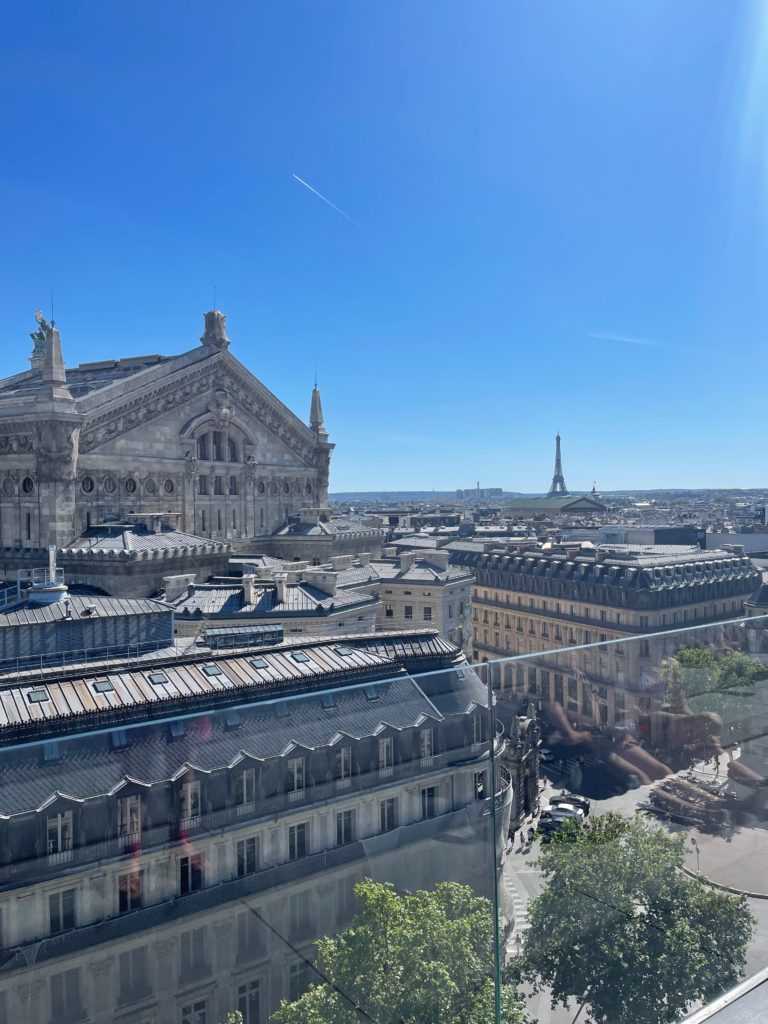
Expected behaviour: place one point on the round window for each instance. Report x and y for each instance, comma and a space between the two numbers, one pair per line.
87, 484
308, 489
151, 486
286, 488
130, 485
168, 486
261, 488
273, 489
27, 485
8, 485
109, 484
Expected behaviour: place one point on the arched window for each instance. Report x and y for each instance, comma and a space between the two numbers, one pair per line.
231, 449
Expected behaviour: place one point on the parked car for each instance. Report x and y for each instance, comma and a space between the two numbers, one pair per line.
556, 815
573, 800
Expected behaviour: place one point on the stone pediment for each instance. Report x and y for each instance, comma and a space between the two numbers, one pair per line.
221, 374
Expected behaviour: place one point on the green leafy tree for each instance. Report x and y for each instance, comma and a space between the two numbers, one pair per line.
701, 672
420, 958
620, 928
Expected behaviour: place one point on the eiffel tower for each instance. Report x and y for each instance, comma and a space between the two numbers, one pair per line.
558, 482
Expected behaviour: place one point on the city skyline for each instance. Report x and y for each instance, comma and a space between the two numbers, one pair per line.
480, 229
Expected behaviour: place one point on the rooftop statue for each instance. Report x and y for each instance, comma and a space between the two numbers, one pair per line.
40, 336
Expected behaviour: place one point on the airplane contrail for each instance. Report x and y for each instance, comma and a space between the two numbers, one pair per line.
328, 201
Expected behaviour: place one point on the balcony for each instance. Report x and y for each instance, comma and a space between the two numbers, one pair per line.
58, 857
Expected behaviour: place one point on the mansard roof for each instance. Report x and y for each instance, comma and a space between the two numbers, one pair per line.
188, 682
649, 567
308, 718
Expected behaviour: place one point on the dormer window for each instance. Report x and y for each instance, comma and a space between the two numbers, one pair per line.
296, 776
59, 835
129, 815
189, 802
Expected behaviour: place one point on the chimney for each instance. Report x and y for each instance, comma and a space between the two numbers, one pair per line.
364, 558
439, 559
280, 584
407, 559
249, 589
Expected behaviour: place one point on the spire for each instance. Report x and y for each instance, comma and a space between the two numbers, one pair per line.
54, 375
558, 483
316, 414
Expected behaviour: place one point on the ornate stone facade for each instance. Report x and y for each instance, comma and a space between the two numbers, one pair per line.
194, 435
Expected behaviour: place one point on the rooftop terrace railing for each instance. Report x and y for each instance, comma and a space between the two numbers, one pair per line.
679, 754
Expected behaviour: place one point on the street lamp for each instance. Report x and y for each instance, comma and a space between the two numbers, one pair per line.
695, 845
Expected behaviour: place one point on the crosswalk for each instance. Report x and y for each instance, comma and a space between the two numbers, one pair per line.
520, 917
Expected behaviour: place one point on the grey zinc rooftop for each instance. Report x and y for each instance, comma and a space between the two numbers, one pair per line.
72, 699
152, 755
303, 598
78, 607
125, 537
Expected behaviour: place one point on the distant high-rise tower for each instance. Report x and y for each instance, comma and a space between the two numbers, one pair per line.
558, 482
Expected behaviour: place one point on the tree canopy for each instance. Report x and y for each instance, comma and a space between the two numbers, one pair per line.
622, 929
419, 958
701, 672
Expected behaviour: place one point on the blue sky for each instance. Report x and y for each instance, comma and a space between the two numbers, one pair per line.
556, 218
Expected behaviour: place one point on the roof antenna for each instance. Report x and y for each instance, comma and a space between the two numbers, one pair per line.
214, 296
52, 306
315, 374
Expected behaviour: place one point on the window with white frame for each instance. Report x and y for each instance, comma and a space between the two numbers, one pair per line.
61, 911
189, 803
298, 841
195, 1013
66, 1001
249, 1003
129, 891
133, 968
245, 786
247, 856
388, 814
191, 873
426, 742
343, 759
295, 774
129, 815
345, 827
386, 752
192, 950
59, 833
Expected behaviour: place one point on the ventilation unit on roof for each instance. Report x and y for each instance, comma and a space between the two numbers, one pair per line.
371, 693
329, 701
178, 729
232, 720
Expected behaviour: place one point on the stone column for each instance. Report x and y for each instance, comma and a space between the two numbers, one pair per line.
56, 470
